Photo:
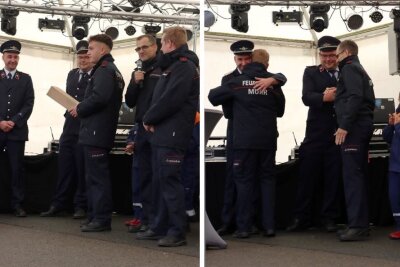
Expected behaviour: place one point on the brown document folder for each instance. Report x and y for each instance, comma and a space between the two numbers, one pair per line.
62, 98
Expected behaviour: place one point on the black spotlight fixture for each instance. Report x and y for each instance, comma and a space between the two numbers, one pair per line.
130, 30
354, 21
189, 34
319, 17
151, 29
9, 21
80, 28
239, 17
112, 32
51, 24
395, 15
376, 16
137, 3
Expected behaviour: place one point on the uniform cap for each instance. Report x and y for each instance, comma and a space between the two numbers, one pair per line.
11, 46
242, 47
328, 43
82, 47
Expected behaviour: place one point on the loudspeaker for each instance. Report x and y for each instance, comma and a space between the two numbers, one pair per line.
394, 50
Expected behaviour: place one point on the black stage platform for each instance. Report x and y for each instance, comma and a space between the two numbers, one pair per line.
380, 212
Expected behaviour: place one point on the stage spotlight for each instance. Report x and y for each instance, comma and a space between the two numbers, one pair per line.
394, 13
151, 29
319, 17
51, 24
354, 21
112, 32
9, 21
239, 17
137, 3
130, 30
209, 18
376, 16
80, 28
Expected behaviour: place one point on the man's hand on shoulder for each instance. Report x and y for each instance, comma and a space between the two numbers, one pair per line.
264, 83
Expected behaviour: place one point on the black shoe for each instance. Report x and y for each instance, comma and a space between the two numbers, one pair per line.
50, 213
355, 234
269, 233
144, 228
171, 241
84, 223
330, 226
134, 228
79, 214
243, 234
194, 218
95, 227
19, 212
297, 226
224, 230
342, 231
148, 235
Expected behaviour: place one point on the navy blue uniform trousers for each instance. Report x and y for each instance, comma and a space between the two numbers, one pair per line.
71, 174
318, 161
228, 208
98, 185
15, 151
254, 167
355, 179
143, 152
169, 196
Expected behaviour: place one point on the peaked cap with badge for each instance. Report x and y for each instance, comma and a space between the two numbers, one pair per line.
328, 43
11, 46
82, 47
242, 47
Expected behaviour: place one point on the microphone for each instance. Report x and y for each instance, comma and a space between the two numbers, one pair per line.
139, 64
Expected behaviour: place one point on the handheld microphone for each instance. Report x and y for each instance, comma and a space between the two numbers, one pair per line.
139, 64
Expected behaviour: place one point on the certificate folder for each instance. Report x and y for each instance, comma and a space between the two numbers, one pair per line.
62, 98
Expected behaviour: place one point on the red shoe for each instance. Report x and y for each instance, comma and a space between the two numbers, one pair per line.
395, 235
134, 221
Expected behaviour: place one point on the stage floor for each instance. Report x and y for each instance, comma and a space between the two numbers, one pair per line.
310, 248
57, 241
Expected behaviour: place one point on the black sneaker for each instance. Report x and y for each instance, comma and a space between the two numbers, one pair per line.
95, 227
148, 235
243, 234
171, 241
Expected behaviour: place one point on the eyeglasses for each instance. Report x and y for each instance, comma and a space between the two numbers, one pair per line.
328, 56
137, 49
340, 53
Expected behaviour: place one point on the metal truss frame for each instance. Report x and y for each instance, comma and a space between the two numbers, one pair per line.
303, 3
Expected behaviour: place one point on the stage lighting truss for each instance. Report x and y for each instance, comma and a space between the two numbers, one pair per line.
319, 17
9, 21
376, 16
174, 12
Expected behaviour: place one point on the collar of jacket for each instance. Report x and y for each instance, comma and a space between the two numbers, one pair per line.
107, 58
348, 60
150, 64
166, 60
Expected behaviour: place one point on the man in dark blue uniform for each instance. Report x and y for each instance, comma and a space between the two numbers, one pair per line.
16, 104
71, 173
254, 141
99, 112
139, 94
170, 118
354, 105
319, 155
242, 51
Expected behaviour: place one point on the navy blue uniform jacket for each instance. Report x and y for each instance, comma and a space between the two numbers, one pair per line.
355, 98
227, 107
321, 119
140, 96
16, 104
254, 111
99, 110
76, 89
175, 98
